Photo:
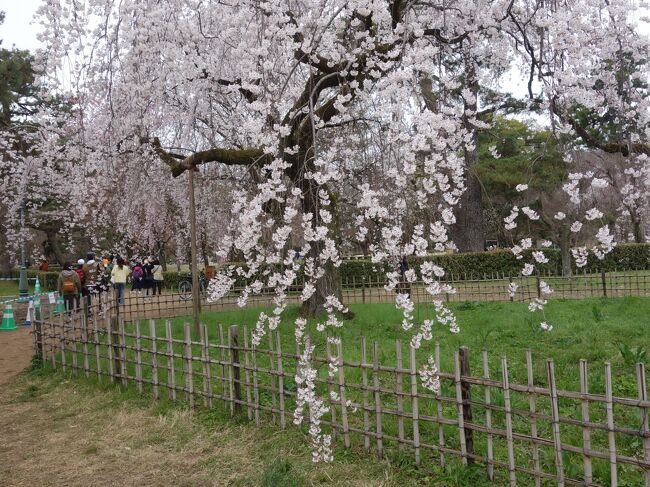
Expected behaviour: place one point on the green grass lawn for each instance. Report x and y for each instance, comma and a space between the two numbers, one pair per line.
599, 330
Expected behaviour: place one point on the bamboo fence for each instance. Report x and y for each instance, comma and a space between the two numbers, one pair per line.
520, 432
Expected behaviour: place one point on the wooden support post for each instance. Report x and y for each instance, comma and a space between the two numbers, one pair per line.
247, 375
84, 340
467, 401
461, 410
342, 397
278, 348
364, 382
375, 380
115, 344
256, 390
330, 389
439, 412
398, 392
225, 395
555, 423
604, 282
154, 359
123, 356
138, 357
488, 419
645, 429
508, 411
532, 407
207, 366
189, 380
98, 362
611, 434
414, 404
586, 432
234, 354
171, 368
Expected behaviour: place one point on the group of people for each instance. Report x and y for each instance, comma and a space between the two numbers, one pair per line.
145, 276
91, 277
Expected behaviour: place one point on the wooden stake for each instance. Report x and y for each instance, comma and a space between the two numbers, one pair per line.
189, 383
586, 432
398, 393
342, 397
488, 419
233, 339
439, 412
171, 369
249, 409
611, 434
414, 404
138, 357
645, 430
366, 406
375, 380
154, 359
508, 411
207, 366
555, 423
459, 405
98, 363
280, 380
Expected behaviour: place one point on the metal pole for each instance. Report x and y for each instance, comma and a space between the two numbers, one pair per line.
23, 288
196, 303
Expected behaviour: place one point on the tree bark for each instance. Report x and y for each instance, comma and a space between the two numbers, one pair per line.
565, 252
53, 247
469, 230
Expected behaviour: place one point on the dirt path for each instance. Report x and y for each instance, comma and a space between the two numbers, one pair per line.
15, 352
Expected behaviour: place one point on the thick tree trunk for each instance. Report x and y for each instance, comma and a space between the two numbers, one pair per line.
469, 230
637, 229
328, 285
53, 248
565, 252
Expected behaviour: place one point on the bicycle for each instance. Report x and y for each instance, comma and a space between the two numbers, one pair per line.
185, 287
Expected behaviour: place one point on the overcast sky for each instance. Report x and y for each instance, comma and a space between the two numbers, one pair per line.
17, 28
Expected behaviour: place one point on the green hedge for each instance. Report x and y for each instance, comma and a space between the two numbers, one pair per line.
469, 265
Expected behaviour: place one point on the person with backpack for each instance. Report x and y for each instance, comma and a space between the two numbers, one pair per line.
82, 278
138, 275
69, 286
119, 275
158, 278
147, 271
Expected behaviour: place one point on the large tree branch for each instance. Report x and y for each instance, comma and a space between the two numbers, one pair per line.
229, 157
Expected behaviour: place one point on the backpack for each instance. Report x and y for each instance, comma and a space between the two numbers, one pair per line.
69, 286
137, 272
148, 274
81, 275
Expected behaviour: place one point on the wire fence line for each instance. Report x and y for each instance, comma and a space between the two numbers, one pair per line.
489, 288
528, 432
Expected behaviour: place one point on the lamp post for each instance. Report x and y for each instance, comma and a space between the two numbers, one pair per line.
23, 289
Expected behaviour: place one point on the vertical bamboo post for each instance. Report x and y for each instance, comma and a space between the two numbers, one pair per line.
113, 332
225, 395
98, 363
138, 356
366, 406
73, 338
189, 382
459, 405
171, 368
274, 382
508, 411
604, 282
414, 404
84, 338
154, 359
278, 347
330, 388
123, 355
466, 395
234, 354
555, 423
62, 340
488, 419
611, 434
256, 390
398, 393
586, 432
207, 366
111, 351
532, 407
342, 395
247, 363
645, 430
439, 412
375, 380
